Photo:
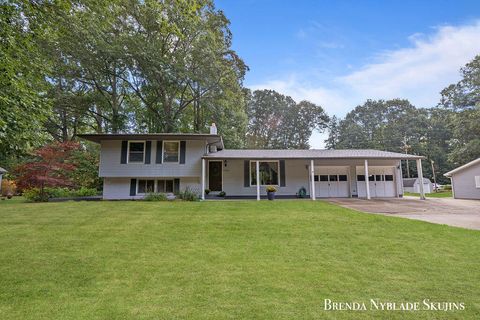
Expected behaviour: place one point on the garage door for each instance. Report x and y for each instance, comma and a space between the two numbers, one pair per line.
331, 182
380, 180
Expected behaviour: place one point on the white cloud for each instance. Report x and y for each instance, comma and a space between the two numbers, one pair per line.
417, 73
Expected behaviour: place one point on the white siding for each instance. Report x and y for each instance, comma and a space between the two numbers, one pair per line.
463, 183
110, 165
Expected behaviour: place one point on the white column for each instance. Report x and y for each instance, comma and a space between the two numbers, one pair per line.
257, 164
203, 179
312, 179
420, 177
367, 183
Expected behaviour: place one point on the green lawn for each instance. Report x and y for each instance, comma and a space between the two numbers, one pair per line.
440, 194
226, 260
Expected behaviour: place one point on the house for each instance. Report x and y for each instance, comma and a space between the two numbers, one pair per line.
466, 180
2, 172
133, 165
413, 185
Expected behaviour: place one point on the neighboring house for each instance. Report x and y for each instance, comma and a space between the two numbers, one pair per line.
466, 180
2, 172
133, 165
413, 185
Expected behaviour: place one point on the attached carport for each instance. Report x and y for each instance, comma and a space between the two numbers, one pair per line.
331, 173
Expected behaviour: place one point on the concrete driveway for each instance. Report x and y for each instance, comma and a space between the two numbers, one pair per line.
452, 212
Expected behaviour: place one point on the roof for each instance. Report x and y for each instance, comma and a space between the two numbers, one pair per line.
409, 182
213, 139
309, 154
2, 170
465, 166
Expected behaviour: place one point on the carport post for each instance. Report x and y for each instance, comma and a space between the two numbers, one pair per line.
312, 179
203, 179
420, 178
367, 183
257, 164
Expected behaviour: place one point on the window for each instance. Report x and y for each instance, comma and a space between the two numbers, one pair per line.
379, 177
170, 151
315, 177
360, 177
136, 151
388, 177
165, 186
342, 177
268, 173
333, 177
145, 186
477, 182
323, 177
371, 178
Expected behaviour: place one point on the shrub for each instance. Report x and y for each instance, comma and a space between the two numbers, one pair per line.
8, 187
155, 197
207, 191
189, 195
35, 195
222, 194
271, 189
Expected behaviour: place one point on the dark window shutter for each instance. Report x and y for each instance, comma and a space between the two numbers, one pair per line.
282, 173
176, 185
148, 151
246, 173
159, 155
133, 187
183, 146
123, 158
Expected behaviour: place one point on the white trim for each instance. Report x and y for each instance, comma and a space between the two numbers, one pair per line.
144, 151
469, 164
420, 177
263, 185
203, 179
312, 179
257, 167
178, 152
477, 182
209, 173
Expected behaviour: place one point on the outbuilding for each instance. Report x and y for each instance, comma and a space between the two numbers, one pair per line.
466, 180
413, 185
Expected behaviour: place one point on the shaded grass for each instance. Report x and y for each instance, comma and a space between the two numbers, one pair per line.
226, 260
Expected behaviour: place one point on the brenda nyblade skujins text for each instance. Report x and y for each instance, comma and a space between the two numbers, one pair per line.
375, 304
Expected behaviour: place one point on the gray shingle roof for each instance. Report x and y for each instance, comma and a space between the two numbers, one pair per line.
309, 154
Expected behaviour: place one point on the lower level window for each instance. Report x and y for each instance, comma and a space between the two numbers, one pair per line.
145, 186
268, 173
164, 186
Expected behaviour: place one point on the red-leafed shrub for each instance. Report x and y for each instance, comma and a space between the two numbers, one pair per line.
51, 166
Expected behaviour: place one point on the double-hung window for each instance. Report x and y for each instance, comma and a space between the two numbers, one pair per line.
269, 172
136, 151
165, 186
171, 150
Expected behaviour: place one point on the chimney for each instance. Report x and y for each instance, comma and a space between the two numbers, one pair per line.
213, 128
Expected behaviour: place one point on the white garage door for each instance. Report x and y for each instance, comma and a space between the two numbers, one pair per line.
381, 181
331, 182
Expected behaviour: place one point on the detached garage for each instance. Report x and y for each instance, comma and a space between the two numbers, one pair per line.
466, 180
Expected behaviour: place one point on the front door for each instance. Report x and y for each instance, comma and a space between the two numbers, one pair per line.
215, 175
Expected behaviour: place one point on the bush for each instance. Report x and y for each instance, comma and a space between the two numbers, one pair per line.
8, 187
189, 195
222, 194
35, 195
155, 197
207, 191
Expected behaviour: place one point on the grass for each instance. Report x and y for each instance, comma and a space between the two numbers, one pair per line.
226, 260
439, 194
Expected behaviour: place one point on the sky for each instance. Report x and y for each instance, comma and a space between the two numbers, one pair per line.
339, 53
